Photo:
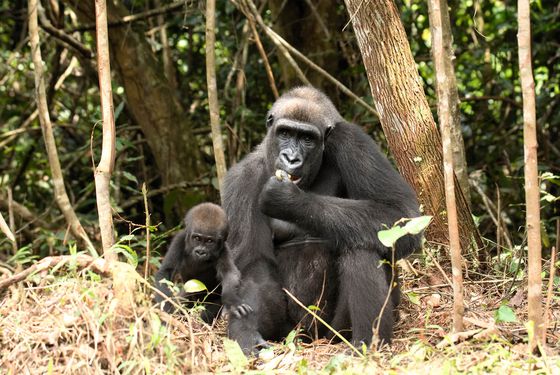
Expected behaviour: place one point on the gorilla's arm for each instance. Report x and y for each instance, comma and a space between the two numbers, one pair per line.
249, 237
376, 196
173, 259
250, 241
230, 278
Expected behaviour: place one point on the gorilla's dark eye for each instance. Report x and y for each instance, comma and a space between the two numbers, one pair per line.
196, 238
209, 240
283, 133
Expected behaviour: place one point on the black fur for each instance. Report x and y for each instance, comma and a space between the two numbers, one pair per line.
200, 252
316, 237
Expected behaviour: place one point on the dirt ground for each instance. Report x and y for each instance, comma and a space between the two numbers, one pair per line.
69, 321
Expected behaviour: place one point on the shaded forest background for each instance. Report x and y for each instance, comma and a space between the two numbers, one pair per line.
161, 109
65, 320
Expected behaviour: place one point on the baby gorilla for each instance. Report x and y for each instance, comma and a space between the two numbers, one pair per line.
200, 252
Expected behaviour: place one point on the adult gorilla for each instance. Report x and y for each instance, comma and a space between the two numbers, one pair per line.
304, 211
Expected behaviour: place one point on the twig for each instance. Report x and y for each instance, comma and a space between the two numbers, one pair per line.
265, 58
492, 211
135, 17
318, 18
84, 261
238, 60
61, 196
6, 229
251, 12
23, 212
477, 334
147, 213
437, 286
61, 35
550, 286
388, 296
134, 200
438, 266
11, 219
278, 40
344, 340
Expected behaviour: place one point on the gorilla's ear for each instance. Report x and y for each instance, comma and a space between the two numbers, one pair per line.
269, 120
329, 130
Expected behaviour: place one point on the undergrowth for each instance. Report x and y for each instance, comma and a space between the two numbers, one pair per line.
68, 321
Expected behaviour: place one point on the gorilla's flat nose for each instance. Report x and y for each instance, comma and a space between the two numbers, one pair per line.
291, 159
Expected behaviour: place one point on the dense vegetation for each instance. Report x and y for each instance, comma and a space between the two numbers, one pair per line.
487, 73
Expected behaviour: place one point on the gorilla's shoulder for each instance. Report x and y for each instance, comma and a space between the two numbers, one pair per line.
247, 172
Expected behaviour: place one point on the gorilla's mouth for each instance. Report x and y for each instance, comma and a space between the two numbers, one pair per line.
281, 175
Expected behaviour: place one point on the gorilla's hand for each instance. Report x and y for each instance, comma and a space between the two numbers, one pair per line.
238, 311
278, 198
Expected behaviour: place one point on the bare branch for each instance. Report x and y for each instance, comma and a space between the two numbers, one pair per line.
262, 52
105, 167
445, 105
136, 17
283, 44
61, 35
213, 104
551, 276
533, 218
84, 261
61, 196
6, 229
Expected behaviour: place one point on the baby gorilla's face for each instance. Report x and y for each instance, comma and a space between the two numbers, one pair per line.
203, 247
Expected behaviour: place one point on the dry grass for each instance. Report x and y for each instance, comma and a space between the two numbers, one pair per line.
70, 322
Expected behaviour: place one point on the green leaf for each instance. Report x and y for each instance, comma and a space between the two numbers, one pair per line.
417, 224
129, 176
194, 285
235, 355
414, 298
505, 314
291, 337
128, 237
313, 308
388, 237
335, 363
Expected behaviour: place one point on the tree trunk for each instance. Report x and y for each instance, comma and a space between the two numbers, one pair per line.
447, 56
447, 108
404, 113
105, 167
213, 105
150, 96
531, 173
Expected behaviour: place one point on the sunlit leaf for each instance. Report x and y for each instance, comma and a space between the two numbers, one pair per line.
234, 354
291, 337
129, 176
417, 224
388, 237
505, 314
414, 298
194, 285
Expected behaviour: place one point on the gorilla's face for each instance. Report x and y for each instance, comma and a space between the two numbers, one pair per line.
297, 149
203, 247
